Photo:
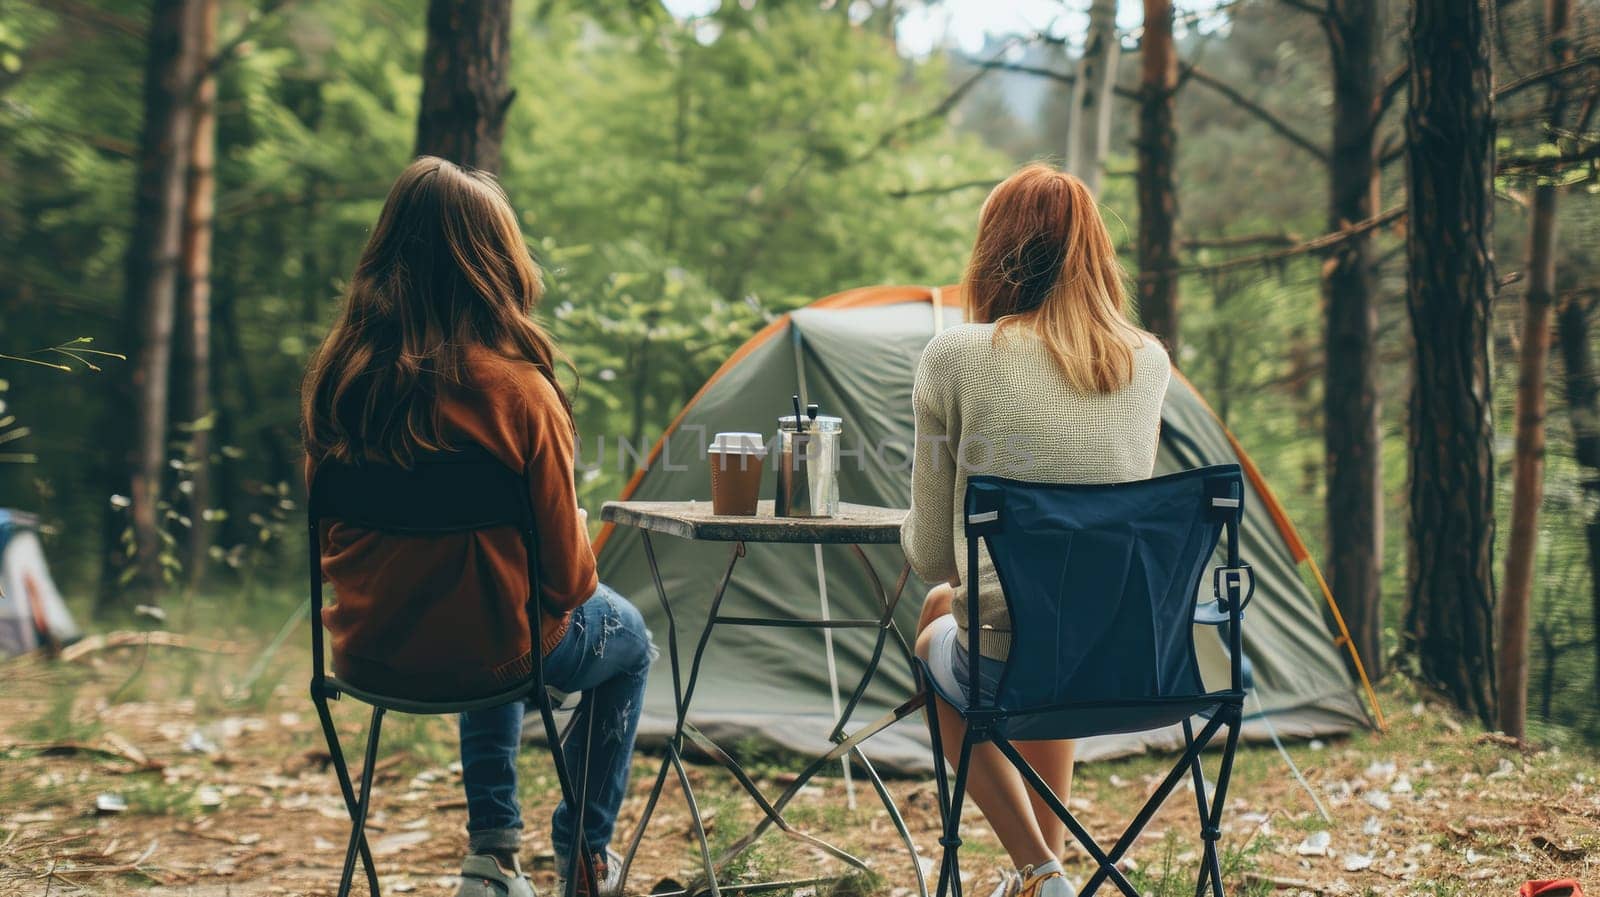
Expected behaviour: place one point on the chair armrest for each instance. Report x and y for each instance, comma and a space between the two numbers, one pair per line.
1215, 611
1212, 613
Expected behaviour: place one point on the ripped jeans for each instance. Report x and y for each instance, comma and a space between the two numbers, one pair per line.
607, 653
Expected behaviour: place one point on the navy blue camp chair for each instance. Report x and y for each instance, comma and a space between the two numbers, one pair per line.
447, 492
1102, 585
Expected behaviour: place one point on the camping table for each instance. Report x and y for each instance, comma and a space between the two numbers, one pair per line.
855, 526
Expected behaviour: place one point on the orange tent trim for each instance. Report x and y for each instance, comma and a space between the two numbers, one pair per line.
1298, 550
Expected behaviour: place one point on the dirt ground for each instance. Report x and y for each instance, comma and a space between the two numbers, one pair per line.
171, 771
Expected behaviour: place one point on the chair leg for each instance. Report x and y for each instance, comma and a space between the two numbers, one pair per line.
950, 870
580, 847
1203, 879
941, 782
342, 771
1107, 864
358, 818
1151, 806
1219, 799
582, 842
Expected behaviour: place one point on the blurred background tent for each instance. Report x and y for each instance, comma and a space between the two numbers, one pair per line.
31, 611
855, 353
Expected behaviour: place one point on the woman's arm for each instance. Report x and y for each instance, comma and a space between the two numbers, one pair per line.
566, 559
926, 536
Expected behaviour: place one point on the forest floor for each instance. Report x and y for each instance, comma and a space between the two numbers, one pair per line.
167, 771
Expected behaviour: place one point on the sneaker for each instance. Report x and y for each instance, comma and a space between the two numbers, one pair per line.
1047, 883
482, 876
1010, 885
607, 867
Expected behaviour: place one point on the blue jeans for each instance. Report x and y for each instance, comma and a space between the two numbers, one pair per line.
607, 653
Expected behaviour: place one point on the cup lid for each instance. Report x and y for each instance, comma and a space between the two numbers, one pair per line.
739, 443
819, 424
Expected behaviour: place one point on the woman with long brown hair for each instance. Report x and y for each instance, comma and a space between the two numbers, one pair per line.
1048, 381
435, 349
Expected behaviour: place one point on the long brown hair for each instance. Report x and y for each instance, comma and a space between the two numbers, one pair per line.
446, 269
1043, 257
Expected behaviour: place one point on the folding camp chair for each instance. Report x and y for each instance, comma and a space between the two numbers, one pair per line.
448, 492
1101, 584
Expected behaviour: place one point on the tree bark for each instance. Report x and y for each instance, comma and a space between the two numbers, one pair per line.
150, 296
465, 92
1527, 488
1352, 441
1527, 469
1089, 118
1158, 202
1583, 406
194, 314
1449, 625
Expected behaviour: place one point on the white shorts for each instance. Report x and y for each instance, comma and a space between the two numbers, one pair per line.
947, 660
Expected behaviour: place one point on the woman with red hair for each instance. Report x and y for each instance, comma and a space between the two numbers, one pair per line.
1048, 381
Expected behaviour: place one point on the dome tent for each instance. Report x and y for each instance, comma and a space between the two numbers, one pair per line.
855, 354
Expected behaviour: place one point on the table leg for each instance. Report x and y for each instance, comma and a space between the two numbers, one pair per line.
846, 746
895, 817
682, 691
694, 816
638, 831
774, 815
886, 607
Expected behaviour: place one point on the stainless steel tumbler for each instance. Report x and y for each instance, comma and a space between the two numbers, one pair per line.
808, 467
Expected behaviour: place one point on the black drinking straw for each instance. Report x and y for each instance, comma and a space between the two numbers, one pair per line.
797, 416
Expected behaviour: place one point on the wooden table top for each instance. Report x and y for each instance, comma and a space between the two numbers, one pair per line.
854, 525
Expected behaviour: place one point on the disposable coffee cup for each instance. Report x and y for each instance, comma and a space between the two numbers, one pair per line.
736, 460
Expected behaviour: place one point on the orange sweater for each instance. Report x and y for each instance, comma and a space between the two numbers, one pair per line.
448, 616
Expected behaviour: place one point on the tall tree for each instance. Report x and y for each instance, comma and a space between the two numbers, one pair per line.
1089, 110
150, 291
194, 309
1449, 624
465, 89
1582, 382
1158, 197
1351, 438
1527, 487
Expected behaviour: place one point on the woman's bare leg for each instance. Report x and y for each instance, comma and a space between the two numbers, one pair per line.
994, 784
1052, 760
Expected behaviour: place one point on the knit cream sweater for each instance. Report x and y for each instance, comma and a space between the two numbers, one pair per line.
999, 405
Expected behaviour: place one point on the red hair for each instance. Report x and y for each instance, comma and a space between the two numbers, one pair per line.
1044, 258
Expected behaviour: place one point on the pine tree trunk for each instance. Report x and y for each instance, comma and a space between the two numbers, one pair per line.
1158, 200
1089, 119
194, 313
1351, 436
150, 297
1449, 625
1527, 489
1527, 470
465, 92
1583, 406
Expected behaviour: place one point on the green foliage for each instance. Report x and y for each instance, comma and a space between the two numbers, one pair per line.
715, 173
682, 182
